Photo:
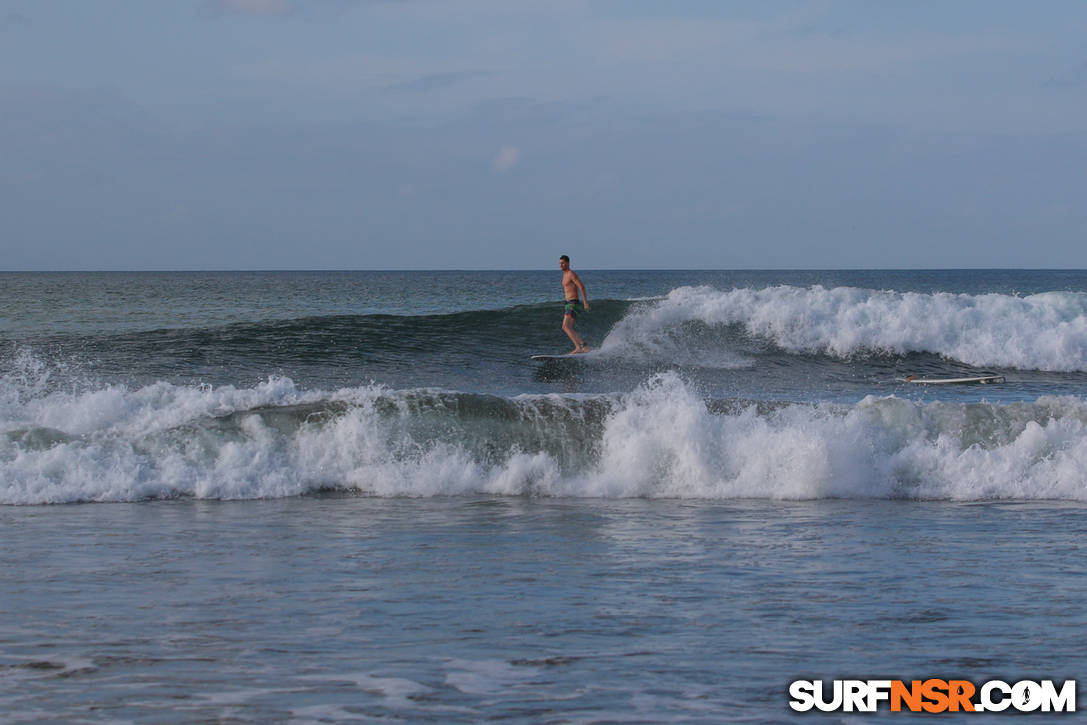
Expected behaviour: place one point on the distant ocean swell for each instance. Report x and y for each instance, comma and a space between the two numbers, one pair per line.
362, 337
661, 440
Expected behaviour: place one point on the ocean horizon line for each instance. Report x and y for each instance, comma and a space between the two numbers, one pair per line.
280, 270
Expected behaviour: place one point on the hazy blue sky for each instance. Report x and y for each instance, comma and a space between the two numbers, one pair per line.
357, 134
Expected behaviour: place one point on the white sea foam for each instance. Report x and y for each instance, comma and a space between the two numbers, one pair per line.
486, 677
113, 443
396, 692
1037, 332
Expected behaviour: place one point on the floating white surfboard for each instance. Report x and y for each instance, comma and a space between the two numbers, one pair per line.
979, 379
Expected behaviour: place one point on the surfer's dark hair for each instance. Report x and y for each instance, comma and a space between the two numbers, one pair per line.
564, 258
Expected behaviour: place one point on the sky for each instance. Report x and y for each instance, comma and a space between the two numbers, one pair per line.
492, 134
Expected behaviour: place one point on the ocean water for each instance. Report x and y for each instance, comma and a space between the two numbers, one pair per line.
350, 496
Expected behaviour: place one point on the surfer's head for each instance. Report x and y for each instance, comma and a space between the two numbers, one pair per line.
564, 261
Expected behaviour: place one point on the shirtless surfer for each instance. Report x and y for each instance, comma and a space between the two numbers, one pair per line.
571, 285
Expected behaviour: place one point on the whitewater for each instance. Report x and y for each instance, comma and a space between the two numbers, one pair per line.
661, 440
777, 392
1046, 331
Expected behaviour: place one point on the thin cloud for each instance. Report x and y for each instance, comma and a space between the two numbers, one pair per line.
289, 7
249, 7
434, 81
14, 21
507, 158
1072, 78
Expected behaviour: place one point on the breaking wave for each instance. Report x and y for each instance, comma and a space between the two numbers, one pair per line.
1045, 331
114, 443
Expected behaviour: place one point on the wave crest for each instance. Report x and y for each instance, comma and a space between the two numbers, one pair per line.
661, 440
1045, 331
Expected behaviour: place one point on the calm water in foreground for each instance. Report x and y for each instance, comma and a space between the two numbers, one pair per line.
347, 608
